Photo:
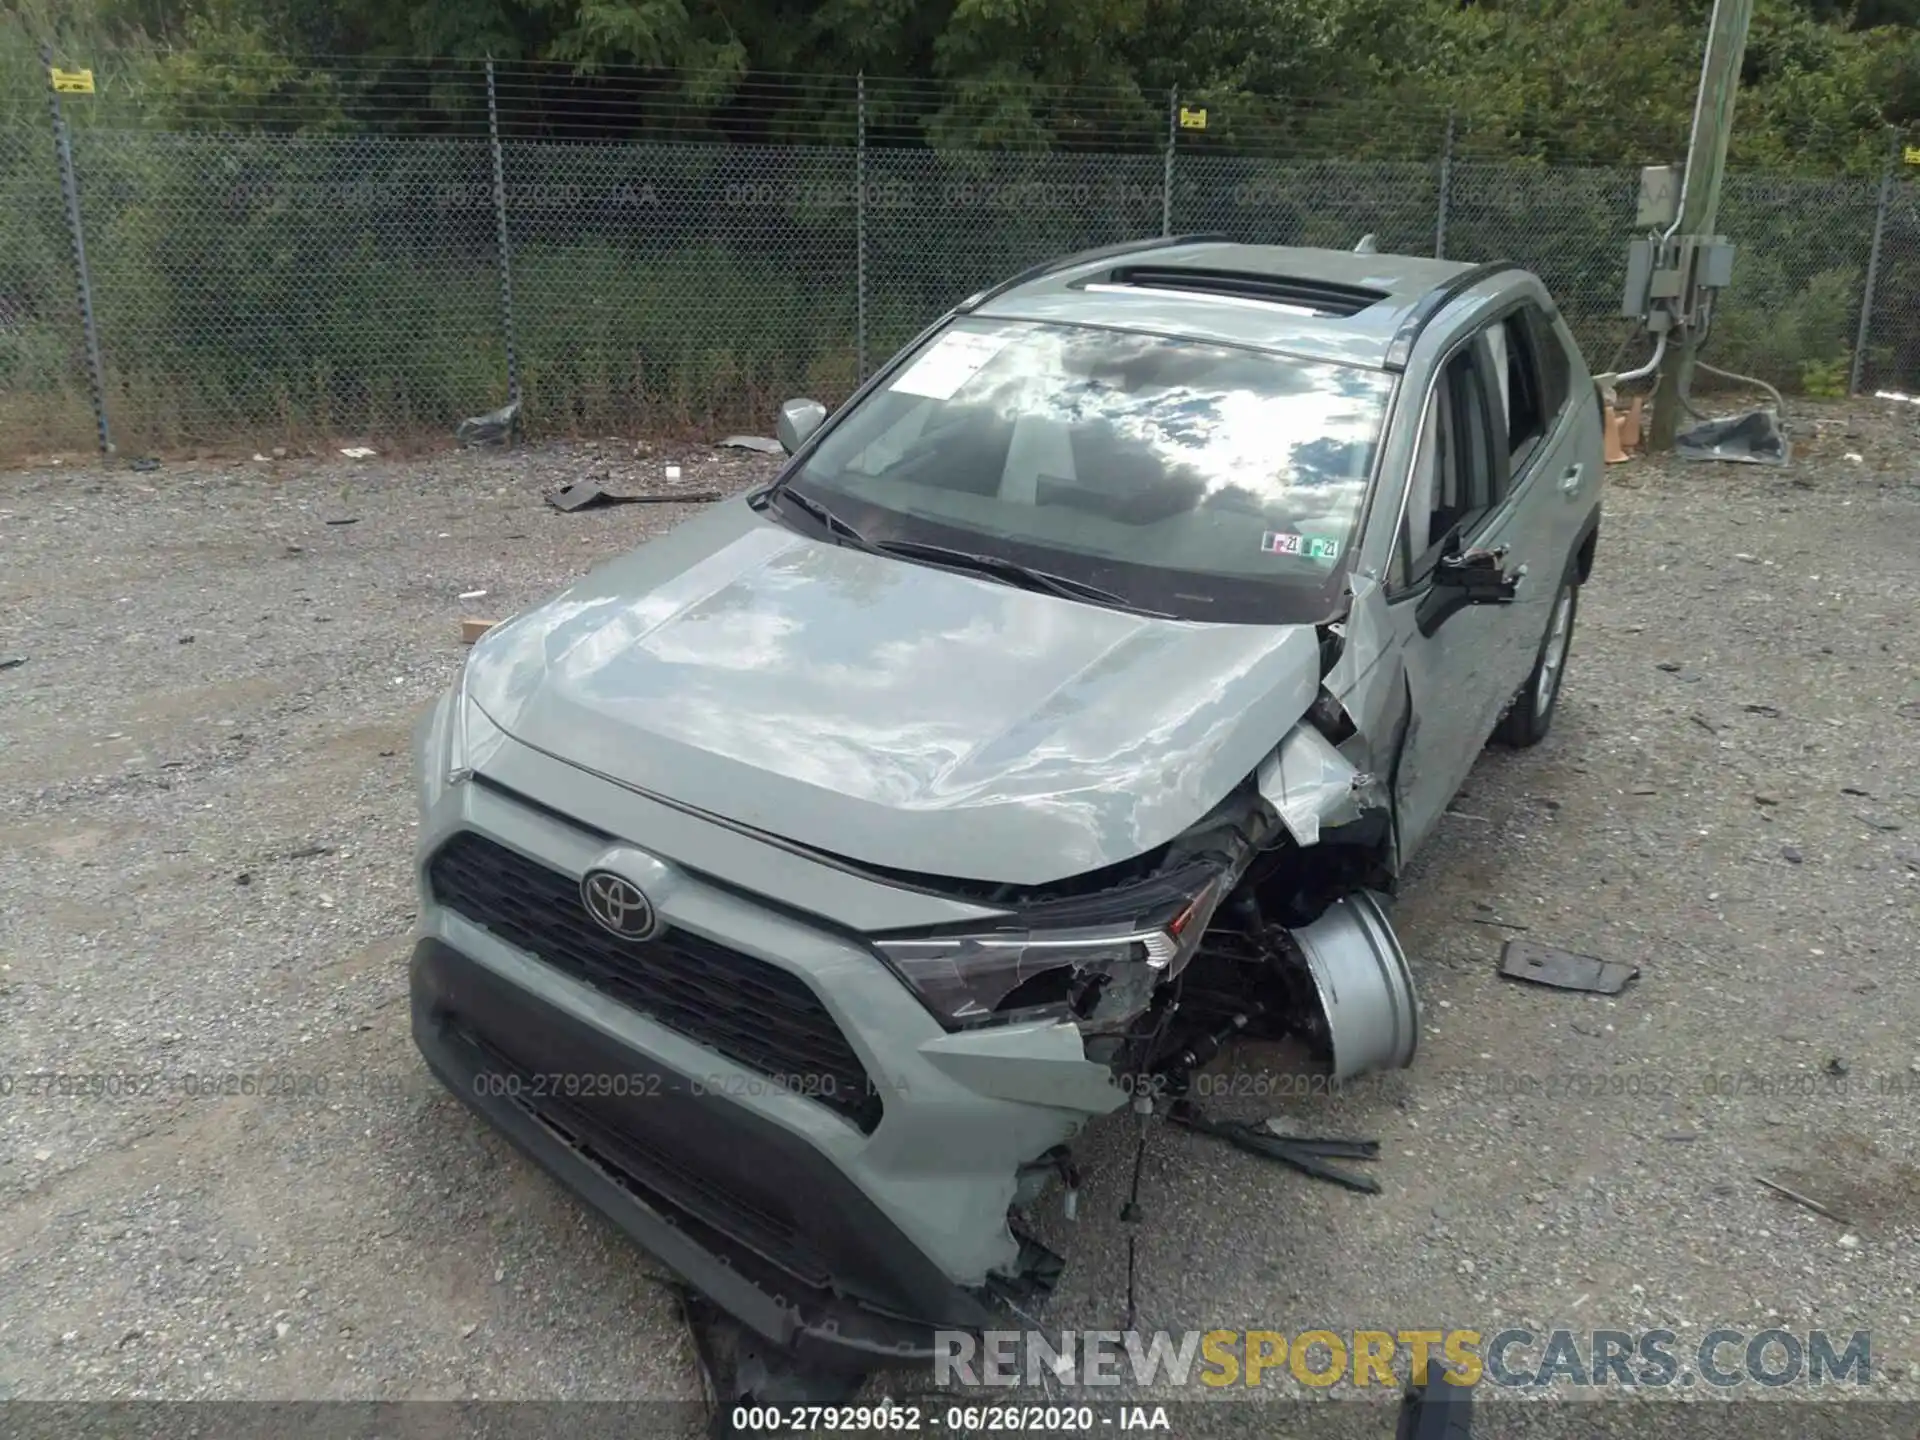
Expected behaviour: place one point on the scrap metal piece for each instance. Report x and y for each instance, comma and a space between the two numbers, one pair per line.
585, 495
1564, 970
764, 444
1754, 438
1798, 1198
1304, 1153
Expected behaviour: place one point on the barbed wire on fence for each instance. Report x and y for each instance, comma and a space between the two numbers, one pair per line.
210, 91
295, 249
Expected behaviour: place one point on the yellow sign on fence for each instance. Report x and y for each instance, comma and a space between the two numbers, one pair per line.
1192, 119
73, 82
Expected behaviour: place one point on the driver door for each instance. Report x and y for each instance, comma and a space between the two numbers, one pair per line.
1461, 669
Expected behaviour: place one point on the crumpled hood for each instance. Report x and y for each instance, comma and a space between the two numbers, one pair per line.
889, 712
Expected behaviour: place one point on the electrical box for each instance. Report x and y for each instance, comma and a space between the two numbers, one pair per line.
1659, 205
1714, 269
1633, 302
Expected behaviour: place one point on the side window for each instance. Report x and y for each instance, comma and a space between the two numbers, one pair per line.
1534, 379
1525, 413
1455, 474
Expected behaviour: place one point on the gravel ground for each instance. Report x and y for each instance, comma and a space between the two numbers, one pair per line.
205, 822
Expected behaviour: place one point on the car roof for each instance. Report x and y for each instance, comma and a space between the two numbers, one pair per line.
1338, 305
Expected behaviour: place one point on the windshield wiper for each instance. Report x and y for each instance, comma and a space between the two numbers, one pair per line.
833, 523
1013, 571
1010, 570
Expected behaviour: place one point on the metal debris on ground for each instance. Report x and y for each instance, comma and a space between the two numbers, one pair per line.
145, 464
585, 495
1305, 1153
12, 662
1802, 1200
1564, 970
357, 452
1754, 438
345, 520
496, 427
761, 443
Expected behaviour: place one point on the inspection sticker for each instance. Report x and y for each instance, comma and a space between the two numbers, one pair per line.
954, 359
1311, 546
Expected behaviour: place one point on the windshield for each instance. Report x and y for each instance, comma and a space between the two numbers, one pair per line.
1201, 480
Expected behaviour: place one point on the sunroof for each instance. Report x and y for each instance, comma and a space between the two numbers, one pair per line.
1321, 297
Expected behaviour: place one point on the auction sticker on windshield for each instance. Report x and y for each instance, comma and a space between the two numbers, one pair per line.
954, 359
1314, 547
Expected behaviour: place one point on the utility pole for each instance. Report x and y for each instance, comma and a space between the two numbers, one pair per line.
1700, 193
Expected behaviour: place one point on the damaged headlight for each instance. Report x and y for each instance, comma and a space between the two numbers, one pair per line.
1092, 959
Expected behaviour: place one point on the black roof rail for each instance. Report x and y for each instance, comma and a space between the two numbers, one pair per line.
1082, 257
1432, 303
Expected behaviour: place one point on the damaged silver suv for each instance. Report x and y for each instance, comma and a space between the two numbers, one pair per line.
797, 886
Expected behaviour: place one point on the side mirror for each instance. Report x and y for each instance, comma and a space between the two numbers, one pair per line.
798, 420
1460, 580
1478, 572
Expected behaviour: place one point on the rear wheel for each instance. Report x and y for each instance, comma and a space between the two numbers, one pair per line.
1530, 715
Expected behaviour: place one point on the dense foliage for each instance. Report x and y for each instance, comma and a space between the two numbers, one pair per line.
1823, 78
266, 183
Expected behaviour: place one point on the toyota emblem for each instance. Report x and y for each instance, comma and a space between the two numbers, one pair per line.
617, 904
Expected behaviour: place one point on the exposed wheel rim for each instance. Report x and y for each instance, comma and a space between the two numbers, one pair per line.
1554, 658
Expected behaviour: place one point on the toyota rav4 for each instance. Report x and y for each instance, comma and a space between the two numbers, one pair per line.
796, 887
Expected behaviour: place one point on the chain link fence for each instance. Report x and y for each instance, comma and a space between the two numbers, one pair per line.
1891, 352
254, 285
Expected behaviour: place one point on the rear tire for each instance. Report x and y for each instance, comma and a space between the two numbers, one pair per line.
1530, 715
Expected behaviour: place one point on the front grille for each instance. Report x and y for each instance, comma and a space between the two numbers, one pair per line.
757, 1014
698, 1204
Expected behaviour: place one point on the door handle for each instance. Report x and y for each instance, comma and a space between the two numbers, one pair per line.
1570, 482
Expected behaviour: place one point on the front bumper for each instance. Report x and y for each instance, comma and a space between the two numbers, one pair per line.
841, 1238
699, 1181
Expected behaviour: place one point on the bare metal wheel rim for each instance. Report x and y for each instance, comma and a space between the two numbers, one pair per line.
1554, 657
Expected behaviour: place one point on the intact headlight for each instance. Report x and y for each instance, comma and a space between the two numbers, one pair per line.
472, 737
1095, 959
